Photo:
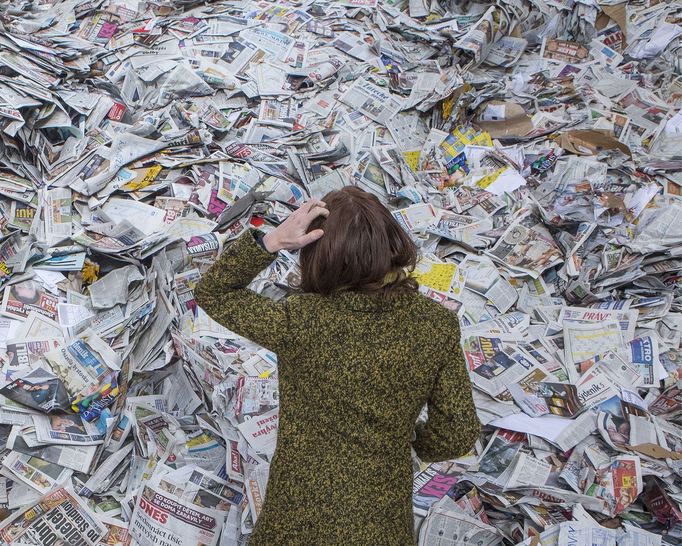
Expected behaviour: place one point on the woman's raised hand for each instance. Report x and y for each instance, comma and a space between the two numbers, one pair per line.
292, 233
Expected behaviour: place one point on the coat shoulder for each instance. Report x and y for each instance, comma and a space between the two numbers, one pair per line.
437, 312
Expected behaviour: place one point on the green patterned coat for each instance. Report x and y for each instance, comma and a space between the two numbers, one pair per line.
354, 372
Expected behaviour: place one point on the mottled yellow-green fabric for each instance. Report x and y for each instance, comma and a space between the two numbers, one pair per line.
354, 372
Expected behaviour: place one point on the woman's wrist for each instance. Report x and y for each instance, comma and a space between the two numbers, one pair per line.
270, 242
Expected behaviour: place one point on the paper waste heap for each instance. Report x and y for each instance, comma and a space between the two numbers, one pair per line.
532, 148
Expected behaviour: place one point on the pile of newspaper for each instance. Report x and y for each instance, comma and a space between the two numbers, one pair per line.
532, 149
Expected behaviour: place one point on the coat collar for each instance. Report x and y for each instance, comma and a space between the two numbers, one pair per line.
371, 301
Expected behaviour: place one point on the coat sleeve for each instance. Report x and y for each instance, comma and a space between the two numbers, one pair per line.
222, 293
452, 426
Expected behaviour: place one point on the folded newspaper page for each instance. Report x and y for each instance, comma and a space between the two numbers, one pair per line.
60, 517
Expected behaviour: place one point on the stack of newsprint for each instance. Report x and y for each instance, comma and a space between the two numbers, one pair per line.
532, 148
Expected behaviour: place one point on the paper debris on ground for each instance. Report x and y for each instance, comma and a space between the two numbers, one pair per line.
532, 150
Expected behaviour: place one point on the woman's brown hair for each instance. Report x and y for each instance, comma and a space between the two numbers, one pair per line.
363, 249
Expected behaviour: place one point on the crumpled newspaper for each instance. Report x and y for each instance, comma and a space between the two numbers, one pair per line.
530, 147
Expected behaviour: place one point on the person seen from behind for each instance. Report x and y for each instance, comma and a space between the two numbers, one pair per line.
360, 351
